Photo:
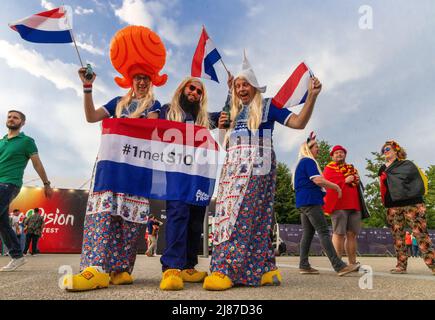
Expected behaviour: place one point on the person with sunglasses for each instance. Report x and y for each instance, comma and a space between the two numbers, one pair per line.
113, 220
402, 186
184, 223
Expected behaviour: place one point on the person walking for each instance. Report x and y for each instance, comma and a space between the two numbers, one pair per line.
310, 187
16, 149
33, 226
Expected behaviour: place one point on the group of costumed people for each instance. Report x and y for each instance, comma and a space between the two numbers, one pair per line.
242, 248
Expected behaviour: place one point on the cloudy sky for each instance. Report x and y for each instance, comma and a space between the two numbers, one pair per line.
376, 60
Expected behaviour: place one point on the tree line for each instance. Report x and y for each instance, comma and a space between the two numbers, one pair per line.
285, 208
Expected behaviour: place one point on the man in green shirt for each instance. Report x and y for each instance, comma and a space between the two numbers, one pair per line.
15, 151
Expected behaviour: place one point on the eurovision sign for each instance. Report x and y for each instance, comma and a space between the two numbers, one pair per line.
63, 216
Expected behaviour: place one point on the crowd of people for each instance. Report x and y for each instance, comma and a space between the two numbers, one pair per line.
242, 248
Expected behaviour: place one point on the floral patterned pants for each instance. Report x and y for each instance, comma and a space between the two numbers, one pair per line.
415, 216
110, 242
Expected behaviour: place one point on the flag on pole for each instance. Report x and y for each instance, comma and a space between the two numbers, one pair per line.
295, 89
205, 58
45, 27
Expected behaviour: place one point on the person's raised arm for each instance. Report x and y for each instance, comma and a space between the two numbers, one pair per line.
299, 121
91, 114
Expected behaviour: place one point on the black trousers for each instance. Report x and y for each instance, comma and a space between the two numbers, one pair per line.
30, 237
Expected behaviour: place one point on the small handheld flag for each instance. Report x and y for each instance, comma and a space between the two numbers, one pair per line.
50, 26
45, 27
205, 58
295, 89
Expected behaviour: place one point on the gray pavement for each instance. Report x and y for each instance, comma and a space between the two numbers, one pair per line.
38, 279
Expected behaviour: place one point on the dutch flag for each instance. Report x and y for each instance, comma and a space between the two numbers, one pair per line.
295, 89
45, 27
204, 58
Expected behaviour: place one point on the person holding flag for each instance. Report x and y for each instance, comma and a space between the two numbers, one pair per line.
243, 252
114, 220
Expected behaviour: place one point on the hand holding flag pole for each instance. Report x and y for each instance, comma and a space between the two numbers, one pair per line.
205, 57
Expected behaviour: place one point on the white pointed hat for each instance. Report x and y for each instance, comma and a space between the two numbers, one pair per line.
248, 73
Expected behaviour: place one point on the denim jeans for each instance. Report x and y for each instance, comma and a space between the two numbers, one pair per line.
7, 193
313, 219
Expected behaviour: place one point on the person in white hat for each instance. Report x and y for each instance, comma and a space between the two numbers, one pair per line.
242, 248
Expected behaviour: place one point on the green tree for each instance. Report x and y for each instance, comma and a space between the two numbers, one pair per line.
372, 193
285, 202
323, 157
430, 197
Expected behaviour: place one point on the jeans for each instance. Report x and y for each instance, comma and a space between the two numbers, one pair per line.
313, 220
7, 193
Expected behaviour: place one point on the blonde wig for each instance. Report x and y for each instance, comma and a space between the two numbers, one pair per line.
144, 103
176, 113
305, 152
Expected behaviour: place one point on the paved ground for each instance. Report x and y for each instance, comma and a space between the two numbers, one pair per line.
38, 279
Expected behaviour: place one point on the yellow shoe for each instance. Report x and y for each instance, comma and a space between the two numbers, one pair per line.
192, 275
217, 282
120, 278
271, 278
89, 279
172, 280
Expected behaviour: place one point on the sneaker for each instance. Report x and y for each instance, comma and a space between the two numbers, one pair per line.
348, 269
120, 278
309, 271
193, 275
217, 282
14, 264
358, 266
398, 271
89, 279
172, 280
271, 278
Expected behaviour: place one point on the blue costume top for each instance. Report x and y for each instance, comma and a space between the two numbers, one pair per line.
110, 108
307, 192
189, 118
270, 114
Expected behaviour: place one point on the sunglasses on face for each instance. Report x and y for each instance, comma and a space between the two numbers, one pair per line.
140, 78
193, 88
386, 149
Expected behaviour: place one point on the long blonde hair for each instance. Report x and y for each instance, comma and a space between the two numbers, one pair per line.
255, 107
176, 112
144, 103
305, 152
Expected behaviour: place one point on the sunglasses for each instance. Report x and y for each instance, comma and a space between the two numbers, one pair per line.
140, 78
386, 149
193, 88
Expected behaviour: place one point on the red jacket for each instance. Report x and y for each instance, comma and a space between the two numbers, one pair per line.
349, 199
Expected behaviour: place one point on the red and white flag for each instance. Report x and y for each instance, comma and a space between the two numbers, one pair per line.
295, 89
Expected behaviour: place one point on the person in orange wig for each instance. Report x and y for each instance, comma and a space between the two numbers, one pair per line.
114, 220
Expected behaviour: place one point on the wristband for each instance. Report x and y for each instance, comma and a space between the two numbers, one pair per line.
87, 90
87, 85
47, 183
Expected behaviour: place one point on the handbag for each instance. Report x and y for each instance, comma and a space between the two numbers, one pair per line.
365, 213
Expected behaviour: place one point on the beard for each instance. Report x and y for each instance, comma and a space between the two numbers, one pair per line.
189, 106
13, 126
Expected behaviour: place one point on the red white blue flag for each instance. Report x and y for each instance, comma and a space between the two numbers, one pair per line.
295, 89
50, 26
157, 159
205, 58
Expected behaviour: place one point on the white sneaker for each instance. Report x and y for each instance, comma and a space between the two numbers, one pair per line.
14, 264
